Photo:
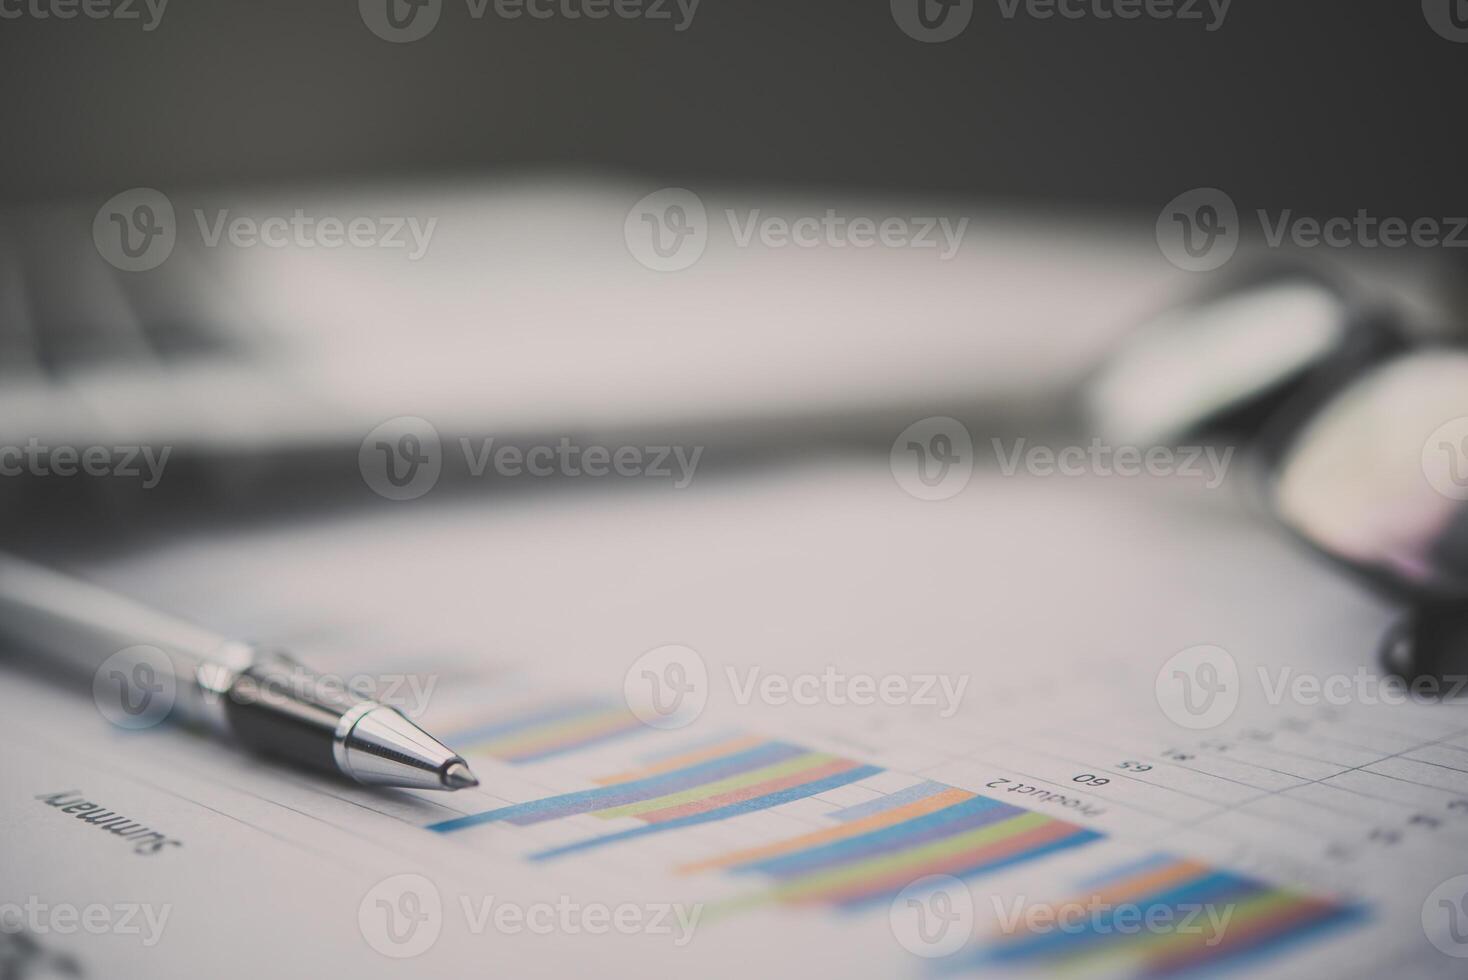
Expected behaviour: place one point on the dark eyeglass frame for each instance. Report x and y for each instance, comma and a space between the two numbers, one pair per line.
1431, 641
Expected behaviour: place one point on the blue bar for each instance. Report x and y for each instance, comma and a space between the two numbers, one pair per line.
956, 819
1211, 887
605, 797
722, 813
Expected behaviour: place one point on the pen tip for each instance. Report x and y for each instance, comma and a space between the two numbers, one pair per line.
458, 776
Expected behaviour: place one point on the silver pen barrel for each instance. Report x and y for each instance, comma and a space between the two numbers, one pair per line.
262, 699
75, 627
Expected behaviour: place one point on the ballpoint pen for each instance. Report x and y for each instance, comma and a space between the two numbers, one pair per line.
251, 695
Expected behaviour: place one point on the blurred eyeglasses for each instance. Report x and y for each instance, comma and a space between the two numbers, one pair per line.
1363, 435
